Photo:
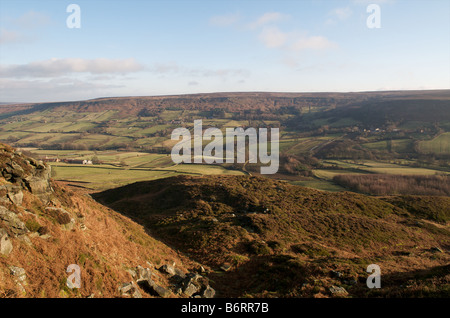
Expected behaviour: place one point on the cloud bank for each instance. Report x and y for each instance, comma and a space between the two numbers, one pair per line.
59, 67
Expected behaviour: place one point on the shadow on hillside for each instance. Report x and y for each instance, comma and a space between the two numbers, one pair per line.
431, 282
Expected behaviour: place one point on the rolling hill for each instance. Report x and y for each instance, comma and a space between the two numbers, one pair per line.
137, 122
321, 134
279, 240
223, 236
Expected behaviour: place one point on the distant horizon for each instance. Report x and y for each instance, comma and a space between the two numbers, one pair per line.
226, 92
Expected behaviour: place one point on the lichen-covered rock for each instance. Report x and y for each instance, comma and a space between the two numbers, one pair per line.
142, 273
6, 246
22, 173
13, 222
154, 289
130, 290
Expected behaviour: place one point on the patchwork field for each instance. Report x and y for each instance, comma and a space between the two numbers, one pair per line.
321, 135
118, 168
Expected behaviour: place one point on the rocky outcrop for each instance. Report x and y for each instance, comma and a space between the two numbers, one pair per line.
12, 222
195, 285
10, 193
22, 173
19, 175
44, 225
182, 284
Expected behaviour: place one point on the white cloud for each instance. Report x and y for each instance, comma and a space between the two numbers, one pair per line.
32, 19
222, 73
268, 17
7, 36
24, 28
296, 41
342, 13
50, 90
312, 43
367, 2
272, 37
174, 68
162, 68
59, 67
339, 14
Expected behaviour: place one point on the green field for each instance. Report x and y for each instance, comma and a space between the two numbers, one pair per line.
362, 167
329, 174
119, 168
102, 177
439, 145
319, 185
395, 145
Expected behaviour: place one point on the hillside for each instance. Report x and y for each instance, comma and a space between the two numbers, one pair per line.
45, 227
137, 122
225, 236
270, 238
322, 135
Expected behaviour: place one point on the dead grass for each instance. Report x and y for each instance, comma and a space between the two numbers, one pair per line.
109, 245
270, 230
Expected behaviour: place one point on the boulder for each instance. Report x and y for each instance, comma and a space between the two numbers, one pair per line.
6, 246
172, 271
11, 193
16, 170
130, 290
38, 186
16, 197
179, 273
195, 284
142, 273
39, 182
209, 292
154, 289
19, 273
190, 289
20, 276
168, 269
12, 221
338, 291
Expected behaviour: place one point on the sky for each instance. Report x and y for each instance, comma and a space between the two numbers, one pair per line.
166, 47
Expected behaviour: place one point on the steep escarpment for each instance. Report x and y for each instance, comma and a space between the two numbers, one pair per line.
45, 228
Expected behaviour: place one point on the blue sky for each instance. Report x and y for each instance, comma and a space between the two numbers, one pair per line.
158, 47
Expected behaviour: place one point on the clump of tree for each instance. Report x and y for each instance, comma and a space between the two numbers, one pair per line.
384, 184
297, 165
343, 149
